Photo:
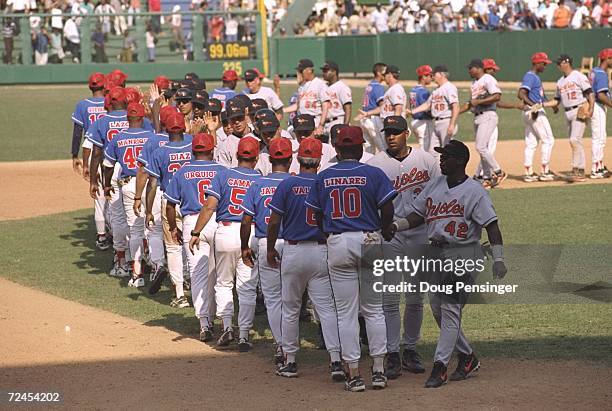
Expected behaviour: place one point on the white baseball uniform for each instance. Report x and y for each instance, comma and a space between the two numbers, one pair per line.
267, 94
599, 80
311, 95
485, 121
395, 95
339, 95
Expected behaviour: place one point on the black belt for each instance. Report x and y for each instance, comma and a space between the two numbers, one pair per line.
320, 242
439, 244
123, 181
360, 231
482, 112
440, 118
571, 108
329, 120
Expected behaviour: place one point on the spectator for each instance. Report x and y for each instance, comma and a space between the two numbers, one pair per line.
365, 23
134, 8
333, 23
56, 18
155, 7
581, 16
530, 21
73, 39
231, 29
320, 26
562, 16
98, 38
216, 28
8, 33
409, 21
40, 44
380, 19
344, 23
128, 49
119, 22
56, 51
606, 11
353, 23
395, 16
547, 11
151, 41
435, 21
176, 25
423, 22
105, 8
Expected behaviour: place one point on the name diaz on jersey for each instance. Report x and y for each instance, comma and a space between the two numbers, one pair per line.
180, 156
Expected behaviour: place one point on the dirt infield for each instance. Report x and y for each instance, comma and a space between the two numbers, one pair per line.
103, 360
36, 188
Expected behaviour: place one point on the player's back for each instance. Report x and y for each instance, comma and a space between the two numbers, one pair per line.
223, 94
189, 184
230, 187
126, 147
257, 199
87, 111
169, 158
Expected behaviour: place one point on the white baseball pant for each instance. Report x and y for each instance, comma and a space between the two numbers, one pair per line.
575, 129
538, 129
440, 134
270, 281
344, 257
423, 130
598, 136
330, 124
101, 216
492, 147
135, 224
304, 267
484, 124
174, 251
118, 219
373, 136
155, 232
230, 269
202, 268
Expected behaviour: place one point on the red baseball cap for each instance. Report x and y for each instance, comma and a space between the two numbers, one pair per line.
107, 104
118, 94
248, 147
118, 76
96, 80
230, 75
540, 57
310, 148
605, 54
424, 70
202, 142
135, 109
280, 148
490, 64
162, 82
110, 83
349, 136
259, 73
132, 95
175, 122
165, 111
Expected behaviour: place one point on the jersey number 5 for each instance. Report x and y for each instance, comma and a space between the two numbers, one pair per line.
130, 156
236, 199
345, 203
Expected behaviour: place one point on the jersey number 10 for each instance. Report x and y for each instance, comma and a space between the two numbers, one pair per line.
345, 203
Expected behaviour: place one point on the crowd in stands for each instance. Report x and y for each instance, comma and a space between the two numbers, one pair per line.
332, 18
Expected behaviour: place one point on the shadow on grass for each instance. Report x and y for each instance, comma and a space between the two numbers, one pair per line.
91, 260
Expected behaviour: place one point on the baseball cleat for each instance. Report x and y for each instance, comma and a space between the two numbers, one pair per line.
355, 384
530, 178
468, 364
288, 370
412, 362
102, 242
118, 271
596, 175
226, 338
379, 381
206, 334
547, 176
337, 371
181, 302
499, 177
136, 282
438, 376
393, 368
158, 277
244, 345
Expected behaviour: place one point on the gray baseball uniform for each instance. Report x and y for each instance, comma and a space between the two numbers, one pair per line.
310, 96
441, 99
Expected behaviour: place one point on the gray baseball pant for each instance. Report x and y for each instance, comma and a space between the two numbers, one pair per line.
576, 129
484, 127
440, 137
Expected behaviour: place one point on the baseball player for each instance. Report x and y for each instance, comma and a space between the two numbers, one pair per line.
373, 96
422, 123
86, 112
304, 127
188, 189
340, 96
313, 98
255, 90
454, 232
333, 137
225, 195
575, 93
347, 199
236, 113
182, 99
255, 208
599, 82
304, 261
124, 150
537, 126
165, 162
485, 93
444, 106
410, 170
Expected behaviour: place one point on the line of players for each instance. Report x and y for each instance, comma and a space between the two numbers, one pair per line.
145, 149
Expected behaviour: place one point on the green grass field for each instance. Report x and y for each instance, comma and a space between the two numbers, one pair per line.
56, 254
35, 121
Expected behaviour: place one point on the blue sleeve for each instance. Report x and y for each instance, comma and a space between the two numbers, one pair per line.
600, 82
423, 96
313, 200
147, 125
248, 203
378, 93
110, 151
143, 158
77, 116
154, 168
216, 186
277, 204
384, 189
173, 191
528, 81
94, 135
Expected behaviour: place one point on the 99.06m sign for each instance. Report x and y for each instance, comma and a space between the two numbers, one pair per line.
225, 51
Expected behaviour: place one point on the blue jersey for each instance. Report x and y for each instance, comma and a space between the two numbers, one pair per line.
349, 195
223, 94
372, 95
417, 96
293, 100
169, 159
189, 184
230, 187
258, 198
299, 223
125, 149
599, 82
533, 84
155, 141
107, 127
87, 111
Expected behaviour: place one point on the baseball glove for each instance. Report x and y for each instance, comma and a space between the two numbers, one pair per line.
583, 112
535, 111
